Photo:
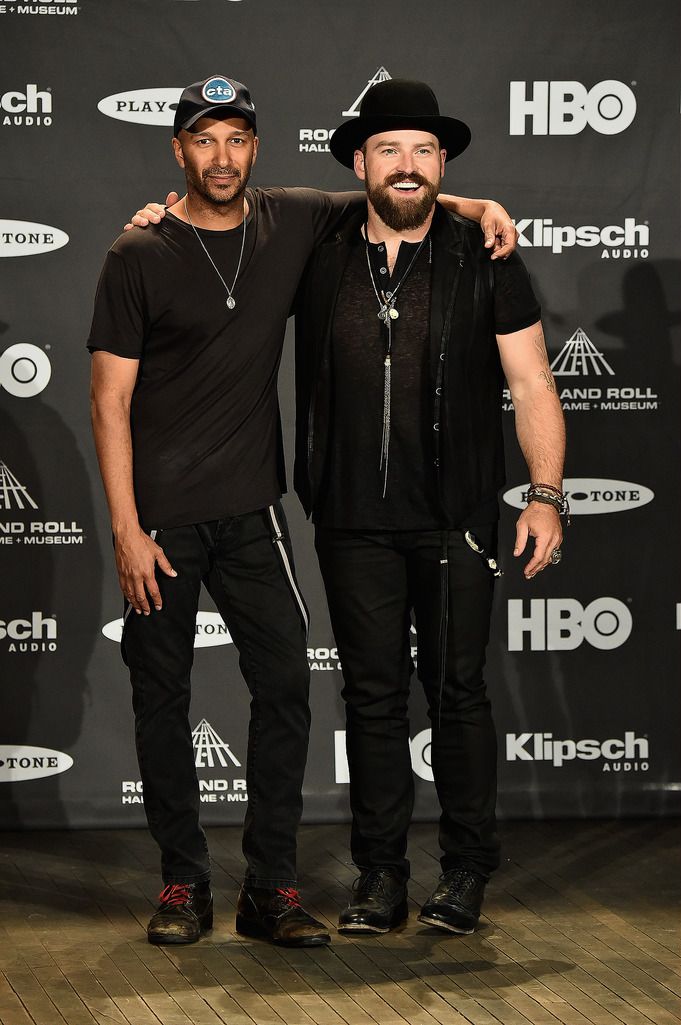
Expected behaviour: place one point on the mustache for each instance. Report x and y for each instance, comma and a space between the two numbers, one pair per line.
402, 176
221, 172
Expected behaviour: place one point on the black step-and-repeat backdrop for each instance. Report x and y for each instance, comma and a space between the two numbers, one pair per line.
574, 109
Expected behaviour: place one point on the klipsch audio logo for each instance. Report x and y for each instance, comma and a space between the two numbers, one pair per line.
20, 762
617, 241
143, 106
579, 358
316, 140
591, 495
419, 748
210, 630
29, 636
27, 107
563, 624
566, 108
26, 238
30, 529
627, 754
210, 752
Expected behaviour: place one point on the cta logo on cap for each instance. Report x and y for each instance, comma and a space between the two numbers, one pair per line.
218, 90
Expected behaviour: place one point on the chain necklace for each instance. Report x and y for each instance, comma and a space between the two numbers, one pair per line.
230, 301
387, 313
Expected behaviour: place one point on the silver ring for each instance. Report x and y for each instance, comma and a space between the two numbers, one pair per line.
556, 556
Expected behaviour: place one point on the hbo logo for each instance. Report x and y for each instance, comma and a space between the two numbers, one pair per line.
566, 108
562, 624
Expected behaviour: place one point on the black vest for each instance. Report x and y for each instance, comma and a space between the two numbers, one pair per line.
466, 378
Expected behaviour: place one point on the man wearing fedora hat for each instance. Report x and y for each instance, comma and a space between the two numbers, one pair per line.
405, 330
186, 422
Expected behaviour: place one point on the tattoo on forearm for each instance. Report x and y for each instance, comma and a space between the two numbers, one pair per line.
548, 377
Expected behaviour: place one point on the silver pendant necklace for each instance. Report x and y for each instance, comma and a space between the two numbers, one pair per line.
230, 301
387, 314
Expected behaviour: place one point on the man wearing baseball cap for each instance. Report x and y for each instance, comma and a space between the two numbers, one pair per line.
186, 339
405, 330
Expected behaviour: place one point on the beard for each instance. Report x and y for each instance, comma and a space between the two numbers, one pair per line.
402, 213
219, 195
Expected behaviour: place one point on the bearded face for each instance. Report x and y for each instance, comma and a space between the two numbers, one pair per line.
402, 173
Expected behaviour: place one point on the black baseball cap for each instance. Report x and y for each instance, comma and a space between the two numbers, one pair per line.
217, 96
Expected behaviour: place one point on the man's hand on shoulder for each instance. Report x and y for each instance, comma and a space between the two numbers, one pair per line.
152, 213
499, 230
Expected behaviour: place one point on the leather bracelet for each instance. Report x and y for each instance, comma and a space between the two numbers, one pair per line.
536, 493
549, 487
546, 500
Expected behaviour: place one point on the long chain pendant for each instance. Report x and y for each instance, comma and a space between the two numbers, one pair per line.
385, 438
230, 302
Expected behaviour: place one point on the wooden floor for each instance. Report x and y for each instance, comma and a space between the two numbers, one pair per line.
581, 926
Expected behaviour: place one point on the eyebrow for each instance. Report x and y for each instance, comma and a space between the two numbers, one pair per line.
397, 143
237, 131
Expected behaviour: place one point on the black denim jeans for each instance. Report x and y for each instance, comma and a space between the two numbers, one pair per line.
374, 581
246, 564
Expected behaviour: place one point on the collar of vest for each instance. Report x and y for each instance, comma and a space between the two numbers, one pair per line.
447, 229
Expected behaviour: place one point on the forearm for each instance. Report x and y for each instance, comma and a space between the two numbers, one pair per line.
540, 429
113, 442
472, 209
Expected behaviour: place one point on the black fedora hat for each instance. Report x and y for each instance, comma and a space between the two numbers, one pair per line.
395, 104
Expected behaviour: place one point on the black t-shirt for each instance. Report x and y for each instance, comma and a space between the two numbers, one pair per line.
204, 413
354, 496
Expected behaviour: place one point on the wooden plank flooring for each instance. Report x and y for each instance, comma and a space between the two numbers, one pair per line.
581, 927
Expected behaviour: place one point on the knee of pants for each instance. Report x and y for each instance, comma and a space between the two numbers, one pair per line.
459, 696
362, 703
287, 685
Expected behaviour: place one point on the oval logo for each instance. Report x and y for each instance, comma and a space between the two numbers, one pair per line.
592, 495
142, 106
26, 238
19, 762
210, 630
25, 370
218, 90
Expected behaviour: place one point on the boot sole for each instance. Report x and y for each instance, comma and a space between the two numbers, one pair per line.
255, 931
401, 916
161, 940
447, 926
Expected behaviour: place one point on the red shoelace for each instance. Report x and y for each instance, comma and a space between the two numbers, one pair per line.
175, 894
290, 896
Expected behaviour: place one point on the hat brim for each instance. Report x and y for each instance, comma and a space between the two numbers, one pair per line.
221, 111
453, 135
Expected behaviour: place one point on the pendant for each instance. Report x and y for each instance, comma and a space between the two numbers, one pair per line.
231, 302
392, 313
383, 314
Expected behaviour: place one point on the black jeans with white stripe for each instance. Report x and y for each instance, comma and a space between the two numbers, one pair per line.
375, 581
246, 564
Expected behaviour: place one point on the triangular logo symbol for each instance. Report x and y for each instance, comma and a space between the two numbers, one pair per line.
12, 492
579, 356
380, 76
208, 747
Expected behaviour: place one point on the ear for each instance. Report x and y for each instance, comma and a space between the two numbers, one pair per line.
443, 157
360, 170
256, 140
177, 150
